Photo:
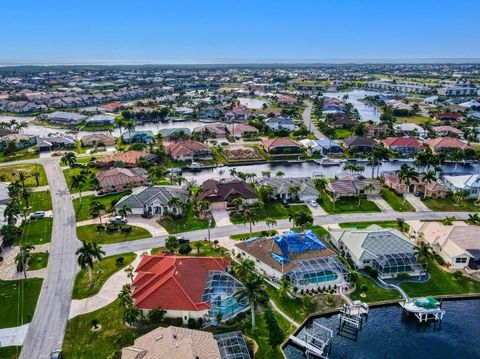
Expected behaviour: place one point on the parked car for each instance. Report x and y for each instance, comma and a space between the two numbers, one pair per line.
37, 215
56, 354
313, 203
418, 194
118, 220
182, 240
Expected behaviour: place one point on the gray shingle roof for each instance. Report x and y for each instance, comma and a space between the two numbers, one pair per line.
142, 196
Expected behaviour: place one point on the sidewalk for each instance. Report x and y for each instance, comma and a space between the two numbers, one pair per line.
8, 268
13, 336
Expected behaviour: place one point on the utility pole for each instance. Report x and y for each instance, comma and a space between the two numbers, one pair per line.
209, 224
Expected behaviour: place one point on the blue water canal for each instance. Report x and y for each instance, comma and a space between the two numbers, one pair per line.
387, 335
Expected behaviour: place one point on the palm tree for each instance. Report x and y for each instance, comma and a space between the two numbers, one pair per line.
457, 156
198, 245
270, 222
423, 252
473, 219
22, 177
243, 268
96, 210
237, 203
69, 159
21, 259
87, 253
204, 206
406, 174
119, 122
250, 216
369, 188
428, 177
26, 194
77, 182
254, 292
279, 174
294, 191
460, 196
285, 287
11, 212
233, 172
266, 173
130, 126
176, 202
36, 174
124, 211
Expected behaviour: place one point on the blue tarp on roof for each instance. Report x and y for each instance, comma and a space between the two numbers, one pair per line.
293, 242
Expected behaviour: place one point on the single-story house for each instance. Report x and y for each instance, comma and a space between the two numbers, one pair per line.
188, 150
448, 117
98, 139
239, 130
282, 187
302, 258
187, 287
457, 244
175, 132
324, 146
21, 140
119, 179
154, 200
410, 130
469, 183
66, 118
55, 143
443, 131
216, 130
432, 189
221, 193
385, 249
359, 144
351, 186
446, 144
281, 145
403, 145
102, 119
138, 137
123, 159
280, 123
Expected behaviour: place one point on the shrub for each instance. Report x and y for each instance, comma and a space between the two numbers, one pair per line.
100, 227
119, 260
364, 288
126, 229
111, 228
457, 275
185, 248
403, 276
192, 323
439, 260
156, 316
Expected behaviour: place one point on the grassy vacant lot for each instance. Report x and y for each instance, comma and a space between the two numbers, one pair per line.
10, 174
374, 292
82, 210
81, 342
274, 210
206, 249
102, 271
243, 236
347, 205
10, 292
342, 133
90, 183
10, 352
89, 234
448, 204
396, 202
363, 225
186, 223
39, 201
441, 282
419, 120
36, 231
38, 261
25, 154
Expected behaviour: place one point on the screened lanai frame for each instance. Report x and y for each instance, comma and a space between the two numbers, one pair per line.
315, 268
219, 291
232, 346
396, 263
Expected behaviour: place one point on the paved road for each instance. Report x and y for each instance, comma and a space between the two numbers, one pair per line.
47, 328
307, 119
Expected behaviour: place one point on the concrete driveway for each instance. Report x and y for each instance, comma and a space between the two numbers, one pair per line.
13, 336
221, 217
417, 203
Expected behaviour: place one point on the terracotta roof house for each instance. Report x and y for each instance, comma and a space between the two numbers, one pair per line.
351, 186
238, 130
188, 150
187, 287
220, 194
125, 159
445, 144
217, 130
448, 117
432, 189
98, 139
119, 179
282, 145
154, 200
21, 140
403, 145
443, 131
300, 257
359, 144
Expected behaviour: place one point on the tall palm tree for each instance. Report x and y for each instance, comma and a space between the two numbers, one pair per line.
26, 194
285, 287
270, 222
406, 174
254, 293
130, 126
87, 253
36, 174
21, 259
423, 252
250, 216
69, 159
237, 203
233, 172
243, 268
457, 156
294, 191
124, 211
428, 177
279, 174
119, 122
77, 182
96, 210
22, 177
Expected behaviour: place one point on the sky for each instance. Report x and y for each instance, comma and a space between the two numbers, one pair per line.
236, 31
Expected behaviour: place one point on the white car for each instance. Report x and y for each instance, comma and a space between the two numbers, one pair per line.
313, 203
37, 215
118, 220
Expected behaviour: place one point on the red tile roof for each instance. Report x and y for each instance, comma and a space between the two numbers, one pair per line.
279, 142
174, 282
402, 142
447, 142
185, 148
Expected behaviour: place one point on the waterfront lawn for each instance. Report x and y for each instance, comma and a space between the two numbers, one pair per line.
375, 293
441, 282
90, 183
448, 205
10, 352
102, 271
39, 201
188, 222
244, 236
396, 201
82, 210
89, 233
383, 224
346, 205
37, 261
342, 133
9, 292
36, 231
10, 174
293, 307
419, 120
274, 210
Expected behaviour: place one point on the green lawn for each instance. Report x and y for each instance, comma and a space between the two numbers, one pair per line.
374, 293
441, 282
82, 211
346, 205
90, 183
293, 307
342, 133
363, 225
243, 236
274, 210
24, 154
396, 201
186, 223
419, 120
448, 204
207, 249
10, 174
81, 342
38, 261
37, 231
108, 266
88, 233
10, 292
10, 352
39, 201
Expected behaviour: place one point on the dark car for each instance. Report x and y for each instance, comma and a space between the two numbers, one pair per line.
183, 240
56, 354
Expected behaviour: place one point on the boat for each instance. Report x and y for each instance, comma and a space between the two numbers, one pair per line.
328, 162
424, 308
195, 166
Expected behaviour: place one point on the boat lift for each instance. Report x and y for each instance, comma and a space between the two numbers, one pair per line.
317, 341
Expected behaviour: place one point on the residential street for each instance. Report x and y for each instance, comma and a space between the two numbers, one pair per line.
47, 328
307, 118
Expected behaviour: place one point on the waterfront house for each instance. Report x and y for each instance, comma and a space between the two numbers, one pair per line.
431, 190
214, 130
239, 130
124, 159
98, 139
188, 150
138, 137
359, 144
221, 193
446, 144
21, 140
281, 145
351, 186
56, 143
324, 146
65, 118
403, 145
282, 188
469, 183
119, 179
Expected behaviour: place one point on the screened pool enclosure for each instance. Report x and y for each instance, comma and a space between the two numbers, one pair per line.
317, 272
232, 346
388, 265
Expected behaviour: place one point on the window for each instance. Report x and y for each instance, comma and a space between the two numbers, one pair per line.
461, 260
